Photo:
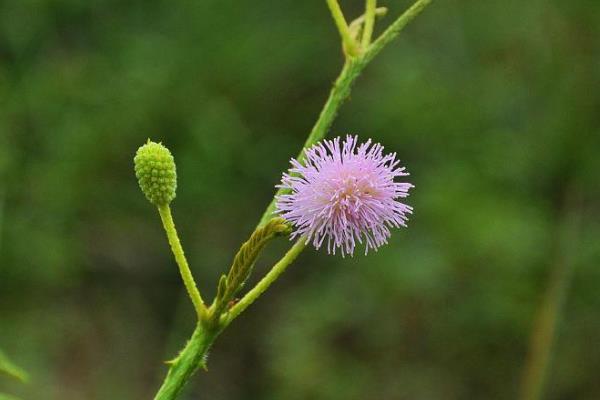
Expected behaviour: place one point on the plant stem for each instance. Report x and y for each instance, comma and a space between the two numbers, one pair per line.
394, 29
184, 269
339, 93
189, 360
265, 282
369, 22
342, 87
359, 22
9, 368
350, 44
544, 334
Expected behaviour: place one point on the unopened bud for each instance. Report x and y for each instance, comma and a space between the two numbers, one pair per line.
156, 173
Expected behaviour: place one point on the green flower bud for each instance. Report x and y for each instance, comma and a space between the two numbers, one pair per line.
156, 173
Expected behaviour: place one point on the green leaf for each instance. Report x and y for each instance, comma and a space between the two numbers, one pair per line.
9, 368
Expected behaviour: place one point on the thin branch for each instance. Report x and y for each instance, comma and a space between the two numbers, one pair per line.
394, 29
350, 45
369, 22
184, 269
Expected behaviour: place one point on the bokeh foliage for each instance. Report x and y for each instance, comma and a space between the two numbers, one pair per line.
493, 106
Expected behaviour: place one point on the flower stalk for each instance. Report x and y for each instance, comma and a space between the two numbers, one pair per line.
184, 269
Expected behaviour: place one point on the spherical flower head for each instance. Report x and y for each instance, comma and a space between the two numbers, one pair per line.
345, 193
156, 173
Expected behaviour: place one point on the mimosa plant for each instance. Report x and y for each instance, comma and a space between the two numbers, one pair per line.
338, 193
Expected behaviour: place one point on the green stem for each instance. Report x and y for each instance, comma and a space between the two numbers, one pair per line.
548, 316
360, 21
369, 22
9, 368
340, 92
350, 45
343, 86
394, 29
265, 282
184, 269
189, 360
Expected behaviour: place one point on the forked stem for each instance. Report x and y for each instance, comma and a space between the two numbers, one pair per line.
265, 282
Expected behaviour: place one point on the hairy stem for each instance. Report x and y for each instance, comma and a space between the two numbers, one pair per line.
184, 269
189, 360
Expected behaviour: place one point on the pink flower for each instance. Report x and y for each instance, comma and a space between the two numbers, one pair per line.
344, 194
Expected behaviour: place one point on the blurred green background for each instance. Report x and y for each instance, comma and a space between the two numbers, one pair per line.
493, 106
